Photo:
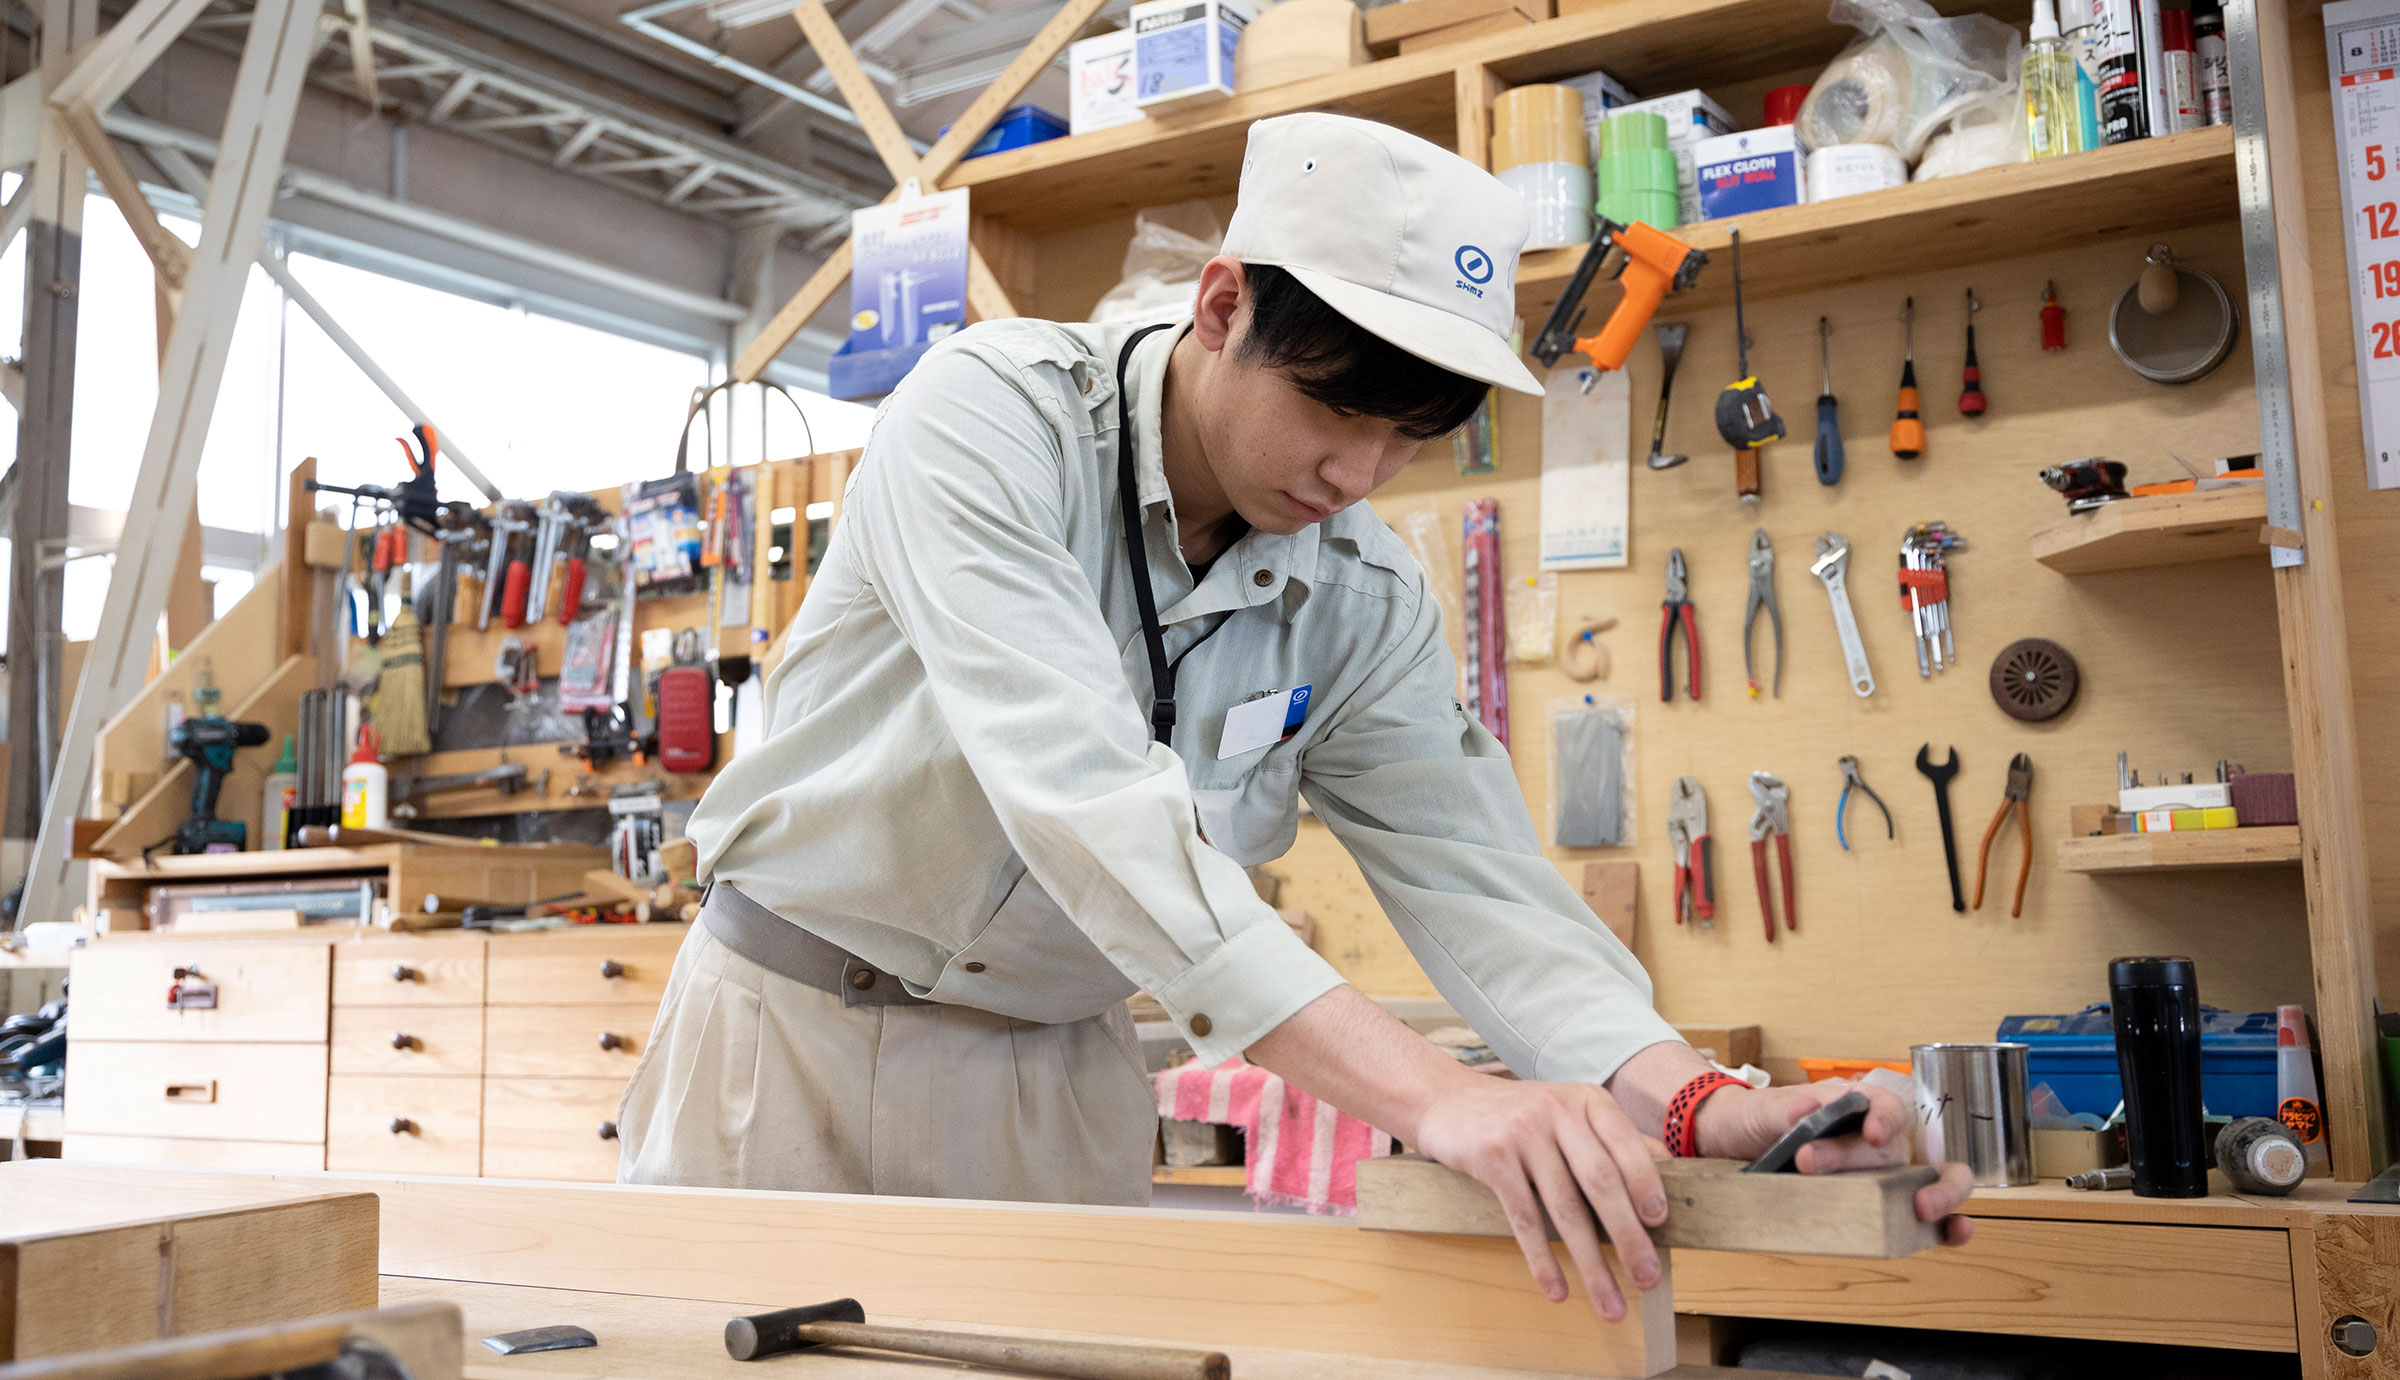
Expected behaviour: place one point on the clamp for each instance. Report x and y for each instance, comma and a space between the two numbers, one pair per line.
1762, 595
2013, 800
1773, 816
1851, 780
1695, 853
1677, 612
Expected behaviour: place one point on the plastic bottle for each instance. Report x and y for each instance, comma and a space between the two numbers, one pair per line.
2296, 1103
283, 794
2053, 121
2087, 94
366, 786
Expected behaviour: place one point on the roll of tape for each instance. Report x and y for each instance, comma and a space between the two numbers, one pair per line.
1848, 169
1558, 201
1538, 124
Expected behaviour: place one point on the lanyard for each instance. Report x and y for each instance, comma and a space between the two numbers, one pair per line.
1137, 553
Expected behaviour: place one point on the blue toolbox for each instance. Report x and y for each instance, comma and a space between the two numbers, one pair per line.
1019, 126
2077, 1056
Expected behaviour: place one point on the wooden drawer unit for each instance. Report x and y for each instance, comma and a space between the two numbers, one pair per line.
401, 1039
265, 991
551, 1128
399, 1125
614, 964
203, 1154
597, 1041
432, 971
204, 1091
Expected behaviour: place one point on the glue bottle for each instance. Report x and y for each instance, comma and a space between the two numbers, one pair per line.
2296, 1103
366, 786
283, 793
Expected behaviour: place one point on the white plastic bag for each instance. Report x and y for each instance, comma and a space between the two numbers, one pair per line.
1591, 771
1908, 73
1533, 619
1171, 244
1984, 133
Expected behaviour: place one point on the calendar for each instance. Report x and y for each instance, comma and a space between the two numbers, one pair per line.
2362, 46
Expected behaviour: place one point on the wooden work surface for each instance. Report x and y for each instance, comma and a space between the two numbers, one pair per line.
683, 1339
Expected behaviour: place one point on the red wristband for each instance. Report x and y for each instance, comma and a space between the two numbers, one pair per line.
1683, 1113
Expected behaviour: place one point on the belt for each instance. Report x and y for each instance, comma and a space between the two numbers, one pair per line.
786, 950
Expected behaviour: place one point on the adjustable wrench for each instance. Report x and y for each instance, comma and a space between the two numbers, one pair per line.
1833, 560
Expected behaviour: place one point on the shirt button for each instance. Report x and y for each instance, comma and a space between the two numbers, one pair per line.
974, 967
863, 979
1201, 1026
1263, 578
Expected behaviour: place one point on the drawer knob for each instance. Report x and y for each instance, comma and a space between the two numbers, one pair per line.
401, 972
611, 1041
608, 1130
402, 1126
403, 1040
610, 968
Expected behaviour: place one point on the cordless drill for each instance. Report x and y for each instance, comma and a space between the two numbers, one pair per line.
208, 740
1651, 264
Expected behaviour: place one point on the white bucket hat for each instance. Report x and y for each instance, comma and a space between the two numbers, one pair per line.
1407, 239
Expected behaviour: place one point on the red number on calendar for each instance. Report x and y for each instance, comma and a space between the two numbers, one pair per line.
2387, 339
2383, 219
2386, 277
2375, 165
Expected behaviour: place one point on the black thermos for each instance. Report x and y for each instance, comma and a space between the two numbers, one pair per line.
2155, 1006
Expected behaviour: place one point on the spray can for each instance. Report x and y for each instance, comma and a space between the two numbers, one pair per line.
2150, 27
283, 795
2296, 1103
2209, 58
366, 786
2116, 38
2182, 83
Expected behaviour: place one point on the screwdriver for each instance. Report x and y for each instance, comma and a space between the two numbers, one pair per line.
1829, 430
1908, 434
1970, 395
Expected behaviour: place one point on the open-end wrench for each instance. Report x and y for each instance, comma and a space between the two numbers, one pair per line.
1833, 560
1940, 776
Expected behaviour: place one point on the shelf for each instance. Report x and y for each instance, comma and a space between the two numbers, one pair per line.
1202, 1176
43, 1123
2170, 529
2274, 845
2149, 186
1659, 46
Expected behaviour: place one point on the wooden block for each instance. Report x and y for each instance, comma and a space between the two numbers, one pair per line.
1711, 1205
2061, 1152
1503, 22
1299, 39
1190, 1144
600, 881
77, 1274
1734, 1045
1388, 24
424, 1340
324, 545
1611, 889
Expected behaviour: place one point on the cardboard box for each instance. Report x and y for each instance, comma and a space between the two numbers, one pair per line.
1755, 170
1691, 117
1100, 83
1388, 24
2057, 1154
1601, 92
1733, 1045
1498, 23
1183, 51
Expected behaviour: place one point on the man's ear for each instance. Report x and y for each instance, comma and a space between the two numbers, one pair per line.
1224, 288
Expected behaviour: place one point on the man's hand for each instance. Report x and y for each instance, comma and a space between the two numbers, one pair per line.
1567, 1148
1740, 1123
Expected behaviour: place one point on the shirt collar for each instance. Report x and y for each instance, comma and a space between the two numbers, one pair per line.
1232, 581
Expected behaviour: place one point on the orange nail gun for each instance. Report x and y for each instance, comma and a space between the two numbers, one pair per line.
1651, 263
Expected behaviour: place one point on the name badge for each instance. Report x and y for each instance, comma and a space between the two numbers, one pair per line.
1263, 722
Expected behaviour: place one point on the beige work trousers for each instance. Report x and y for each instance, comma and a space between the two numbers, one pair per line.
752, 1080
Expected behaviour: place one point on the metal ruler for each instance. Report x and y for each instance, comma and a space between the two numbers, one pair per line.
2278, 444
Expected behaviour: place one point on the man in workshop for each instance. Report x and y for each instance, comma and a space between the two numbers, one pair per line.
1103, 605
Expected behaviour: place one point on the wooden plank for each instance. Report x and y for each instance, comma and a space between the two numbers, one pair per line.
1199, 1278
2183, 1286
858, 89
570, 783
280, 1157
2271, 845
266, 991
1388, 24
798, 311
1478, 87
2318, 683
934, 169
1711, 1205
421, 1340
274, 702
2170, 529
238, 650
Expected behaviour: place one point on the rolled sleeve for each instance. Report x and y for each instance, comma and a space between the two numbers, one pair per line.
959, 517
1427, 804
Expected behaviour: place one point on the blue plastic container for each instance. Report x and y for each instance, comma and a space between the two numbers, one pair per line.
2077, 1056
1022, 125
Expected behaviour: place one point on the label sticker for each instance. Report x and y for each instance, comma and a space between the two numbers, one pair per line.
1264, 721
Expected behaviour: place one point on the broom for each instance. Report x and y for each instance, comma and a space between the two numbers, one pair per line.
399, 707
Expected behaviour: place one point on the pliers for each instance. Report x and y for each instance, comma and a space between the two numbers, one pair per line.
1773, 816
1762, 595
1695, 853
1851, 780
1678, 611
2020, 790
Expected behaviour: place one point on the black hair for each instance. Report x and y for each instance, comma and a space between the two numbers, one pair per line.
1341, 365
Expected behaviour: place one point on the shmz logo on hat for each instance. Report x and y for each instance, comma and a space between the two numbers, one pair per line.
1474, 266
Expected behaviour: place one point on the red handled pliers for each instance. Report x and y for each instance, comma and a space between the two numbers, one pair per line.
1695, 855
1773, 816
1677, 612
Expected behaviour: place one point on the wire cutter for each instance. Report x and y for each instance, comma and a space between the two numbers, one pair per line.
1695, 854
2020, 790
1762, 595
1677, 611
1851, 780
1773, 816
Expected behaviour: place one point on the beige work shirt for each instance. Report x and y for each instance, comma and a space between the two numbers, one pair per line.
958, 782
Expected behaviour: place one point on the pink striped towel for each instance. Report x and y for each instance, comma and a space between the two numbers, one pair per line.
1303, 1153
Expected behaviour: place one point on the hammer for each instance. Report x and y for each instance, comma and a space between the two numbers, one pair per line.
843, 1323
